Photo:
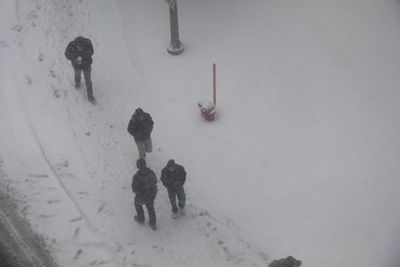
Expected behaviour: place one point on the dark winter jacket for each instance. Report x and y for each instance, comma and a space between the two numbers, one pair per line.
82, 47
139, 128
144, 185
173, 179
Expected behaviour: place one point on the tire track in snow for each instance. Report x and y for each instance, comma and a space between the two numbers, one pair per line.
78, 111
91, 227
59, 180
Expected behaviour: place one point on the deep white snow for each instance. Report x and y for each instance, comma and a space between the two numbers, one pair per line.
303, 159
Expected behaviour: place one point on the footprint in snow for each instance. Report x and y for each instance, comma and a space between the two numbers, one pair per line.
51, 188
101, 208
203, 213
62, 164
83, 193
52, 74
38, 175
32, 17
158, 249
54, 201
40, 56
48, 216
76, 233
78, 254
17, 28
119, 247
76, 219
28, 79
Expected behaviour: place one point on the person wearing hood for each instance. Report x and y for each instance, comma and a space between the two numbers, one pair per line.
140, 127
173, 177
80, 52
144, 186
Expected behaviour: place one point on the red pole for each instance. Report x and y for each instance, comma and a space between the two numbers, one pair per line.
214, 84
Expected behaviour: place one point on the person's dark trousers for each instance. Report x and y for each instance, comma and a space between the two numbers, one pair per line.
175, 193
150, 210
87, 73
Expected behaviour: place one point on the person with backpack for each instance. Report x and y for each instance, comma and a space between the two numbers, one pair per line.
144, 186
80, 52
140, 127
173, 177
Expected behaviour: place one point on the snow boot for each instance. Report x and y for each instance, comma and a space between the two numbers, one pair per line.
92, 100
175, 212
153, 225
182, 211
139, 220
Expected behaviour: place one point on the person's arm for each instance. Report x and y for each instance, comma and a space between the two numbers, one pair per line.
132, 126
153, 177
182, 175
69, 52
164, 177
134, 184
89, 51
148, 125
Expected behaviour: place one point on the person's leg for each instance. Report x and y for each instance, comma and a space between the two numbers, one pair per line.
139, 211
149, 145
172, 199
181, 197
77, 77
88, 80
152, 214
141, 146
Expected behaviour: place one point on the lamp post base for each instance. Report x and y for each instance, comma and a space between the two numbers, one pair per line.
176, 49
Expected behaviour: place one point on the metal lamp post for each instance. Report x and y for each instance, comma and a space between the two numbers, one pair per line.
175, 46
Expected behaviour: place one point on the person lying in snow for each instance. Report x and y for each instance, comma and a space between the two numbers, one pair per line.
288, 262
80, 52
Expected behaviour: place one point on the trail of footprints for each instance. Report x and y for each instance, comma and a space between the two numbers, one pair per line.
235, 251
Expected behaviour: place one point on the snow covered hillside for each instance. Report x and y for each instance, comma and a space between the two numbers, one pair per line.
303, 159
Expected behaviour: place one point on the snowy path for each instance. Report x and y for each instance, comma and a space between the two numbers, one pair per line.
302, 160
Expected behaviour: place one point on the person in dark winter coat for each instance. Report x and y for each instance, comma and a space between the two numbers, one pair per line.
288, 262
173, 177
140, 127
144, 185
80, 52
